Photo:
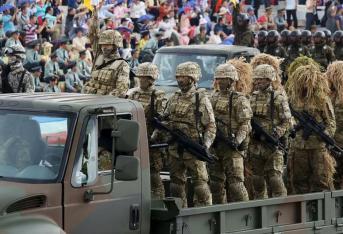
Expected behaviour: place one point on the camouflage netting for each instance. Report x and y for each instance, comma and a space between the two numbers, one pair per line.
301, 61
271, 60
330, 168
244, 70
334, 74
307, 86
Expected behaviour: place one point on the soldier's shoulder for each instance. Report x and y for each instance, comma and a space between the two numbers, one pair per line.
241, 97
159, 92
119, 63
133, 91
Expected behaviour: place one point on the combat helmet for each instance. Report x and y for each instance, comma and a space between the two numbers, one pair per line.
262, 37
111, 37
273, 36
284, 37
147, 69
190, 69
319, 38
338, 37
306, 37
264, 71
227, 71
17, 50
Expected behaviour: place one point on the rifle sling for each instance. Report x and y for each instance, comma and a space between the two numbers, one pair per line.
197, 116
272, 109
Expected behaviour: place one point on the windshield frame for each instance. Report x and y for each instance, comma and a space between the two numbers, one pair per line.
189, 53
72, 116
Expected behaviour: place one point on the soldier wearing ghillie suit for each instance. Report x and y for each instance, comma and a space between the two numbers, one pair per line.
334, 74
110, 73
153, 101
190, 111
311, 166
270, 109
338, 40
233, 113
321, 52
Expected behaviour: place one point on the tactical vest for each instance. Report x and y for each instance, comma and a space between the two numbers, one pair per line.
221, 107
183, 114
339, 52
294, 51
104, 78
339, 123
263, 110
319, 54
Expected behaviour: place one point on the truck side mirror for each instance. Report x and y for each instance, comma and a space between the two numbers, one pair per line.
126, 168
128, 135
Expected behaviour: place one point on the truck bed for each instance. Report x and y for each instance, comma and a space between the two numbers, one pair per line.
311, 213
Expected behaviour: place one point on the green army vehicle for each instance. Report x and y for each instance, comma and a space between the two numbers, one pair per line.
52, 181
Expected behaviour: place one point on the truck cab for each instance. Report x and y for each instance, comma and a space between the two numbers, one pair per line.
51, 178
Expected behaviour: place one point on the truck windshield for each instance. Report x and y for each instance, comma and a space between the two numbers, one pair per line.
32, 145
167, 63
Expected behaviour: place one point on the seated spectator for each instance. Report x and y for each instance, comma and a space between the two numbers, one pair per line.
62, 53
13, 39
145, 36
2, 32
133, 63
36, 71
52, 86
72, 81
215, 37
268, 19
280, 20
52, 68
201, 38
8, 20
32, 53
252, 19
52, 26
79, 42
84, 67
22, 17
31, 30
109, 25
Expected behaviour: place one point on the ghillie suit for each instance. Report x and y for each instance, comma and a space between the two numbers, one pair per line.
311, 166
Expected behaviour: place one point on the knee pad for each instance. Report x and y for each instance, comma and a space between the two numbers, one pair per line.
202, 195
238, 192
178, 190
277, 186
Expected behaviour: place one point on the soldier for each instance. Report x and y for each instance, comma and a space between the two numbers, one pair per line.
270, 109
52, 68
233, 114
243, 35
110, 73
284, 39
328, 38
32, 54
338, 39
72, 80
190, 111
153, 100
306, 40
312, 167
334, 74
262, 40
36, 71
322, 53
295, 49
19, 80
273, 47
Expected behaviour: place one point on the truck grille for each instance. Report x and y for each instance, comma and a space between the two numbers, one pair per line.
27, 203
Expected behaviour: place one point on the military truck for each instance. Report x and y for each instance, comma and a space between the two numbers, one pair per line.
52, 181
207, 56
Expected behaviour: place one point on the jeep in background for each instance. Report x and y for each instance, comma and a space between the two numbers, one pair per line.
207, 56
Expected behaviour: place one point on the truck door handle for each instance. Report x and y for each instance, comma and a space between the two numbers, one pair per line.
134, 217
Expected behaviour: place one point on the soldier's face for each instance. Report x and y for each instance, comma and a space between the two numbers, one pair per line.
145, 82
261, 84
184, 82
107, 50
12, 59
224, 84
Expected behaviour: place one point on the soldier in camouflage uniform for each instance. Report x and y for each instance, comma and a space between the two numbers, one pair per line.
270, 108
284, 39
322, 53
273, 47
199, 126
306, 40
334, 74
104, 159
19, 79
110, 74
153, 100
312, 167
233, 113
338, 39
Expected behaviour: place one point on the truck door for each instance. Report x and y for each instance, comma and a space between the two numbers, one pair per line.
117, 212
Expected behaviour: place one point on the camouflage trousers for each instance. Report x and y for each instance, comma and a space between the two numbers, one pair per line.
311, 170
227, 176
156, 165
182, 163
267, 168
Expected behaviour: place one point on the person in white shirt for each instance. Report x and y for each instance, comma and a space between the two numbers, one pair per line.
291, 13
137, 9
79, 42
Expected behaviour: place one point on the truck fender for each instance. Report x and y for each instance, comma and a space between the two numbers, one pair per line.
13, 224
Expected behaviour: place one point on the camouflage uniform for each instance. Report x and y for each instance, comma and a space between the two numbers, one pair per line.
322, 53
309, 157
144, 96
233, 110
181, 113
19, 79
104, 159
110, 74
267, 162
338, 39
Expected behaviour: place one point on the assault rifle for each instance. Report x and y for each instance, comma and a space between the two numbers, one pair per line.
187, 144
310, 125
228, 140
261, 134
